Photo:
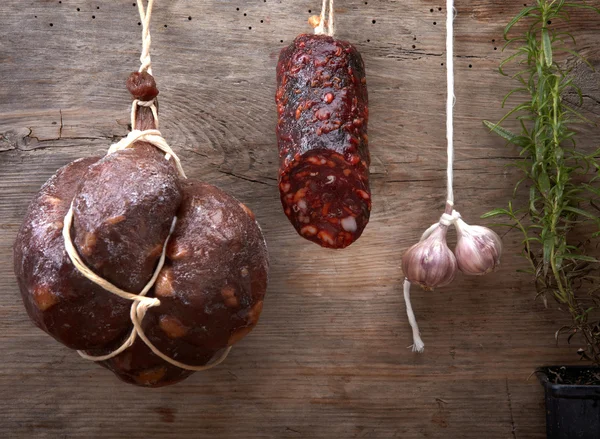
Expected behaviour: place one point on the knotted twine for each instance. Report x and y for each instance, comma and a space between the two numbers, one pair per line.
326, 27
450, 216
141, 303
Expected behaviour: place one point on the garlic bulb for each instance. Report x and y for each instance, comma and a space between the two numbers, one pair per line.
478, 249
430, 263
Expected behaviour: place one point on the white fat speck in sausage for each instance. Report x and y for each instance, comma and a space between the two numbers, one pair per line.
349, 224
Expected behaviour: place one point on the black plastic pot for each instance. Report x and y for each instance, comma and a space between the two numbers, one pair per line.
572, 410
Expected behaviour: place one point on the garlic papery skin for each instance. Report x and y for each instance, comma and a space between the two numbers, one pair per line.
478, 249
430, 263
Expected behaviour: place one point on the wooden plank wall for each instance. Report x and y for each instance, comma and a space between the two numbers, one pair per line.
329, 358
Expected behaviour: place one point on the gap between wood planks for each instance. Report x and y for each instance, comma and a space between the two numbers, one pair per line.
512, 419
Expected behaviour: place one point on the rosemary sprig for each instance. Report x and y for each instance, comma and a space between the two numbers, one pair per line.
563, 182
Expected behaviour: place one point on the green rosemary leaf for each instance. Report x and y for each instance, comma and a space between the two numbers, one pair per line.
515, 20
593, 190
584, 258
580, 116
582, 6
520, 52
516, 188
531, 239
502, 132
495, 212
544, 181
533, 198
509, 225
547, 47
521, 270
548, 249
510, 93
582, 212
576, 54
568, 34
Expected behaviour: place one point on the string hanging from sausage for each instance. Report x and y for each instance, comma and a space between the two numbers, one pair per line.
430, 262
141, 303
326, 27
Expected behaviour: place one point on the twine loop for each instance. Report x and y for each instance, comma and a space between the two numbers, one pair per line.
144, 103
449, 219
153, 137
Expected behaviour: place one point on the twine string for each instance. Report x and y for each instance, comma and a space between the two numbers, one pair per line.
450, 216
326, 27
451, 98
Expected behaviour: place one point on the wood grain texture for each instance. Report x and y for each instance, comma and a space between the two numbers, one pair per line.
328, 358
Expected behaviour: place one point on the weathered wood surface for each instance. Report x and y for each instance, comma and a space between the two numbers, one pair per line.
329, 357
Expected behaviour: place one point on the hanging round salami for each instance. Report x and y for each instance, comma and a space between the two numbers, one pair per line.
146, 272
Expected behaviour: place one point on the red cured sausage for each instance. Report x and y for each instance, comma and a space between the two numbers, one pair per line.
322, 135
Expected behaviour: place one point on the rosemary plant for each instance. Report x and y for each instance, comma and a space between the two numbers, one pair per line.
562, 181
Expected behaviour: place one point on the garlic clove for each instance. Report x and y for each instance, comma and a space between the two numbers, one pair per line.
478, 249
430, 263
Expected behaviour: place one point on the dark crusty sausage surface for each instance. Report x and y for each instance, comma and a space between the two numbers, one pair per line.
123, 212
211, 287
57, 297
322, 134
